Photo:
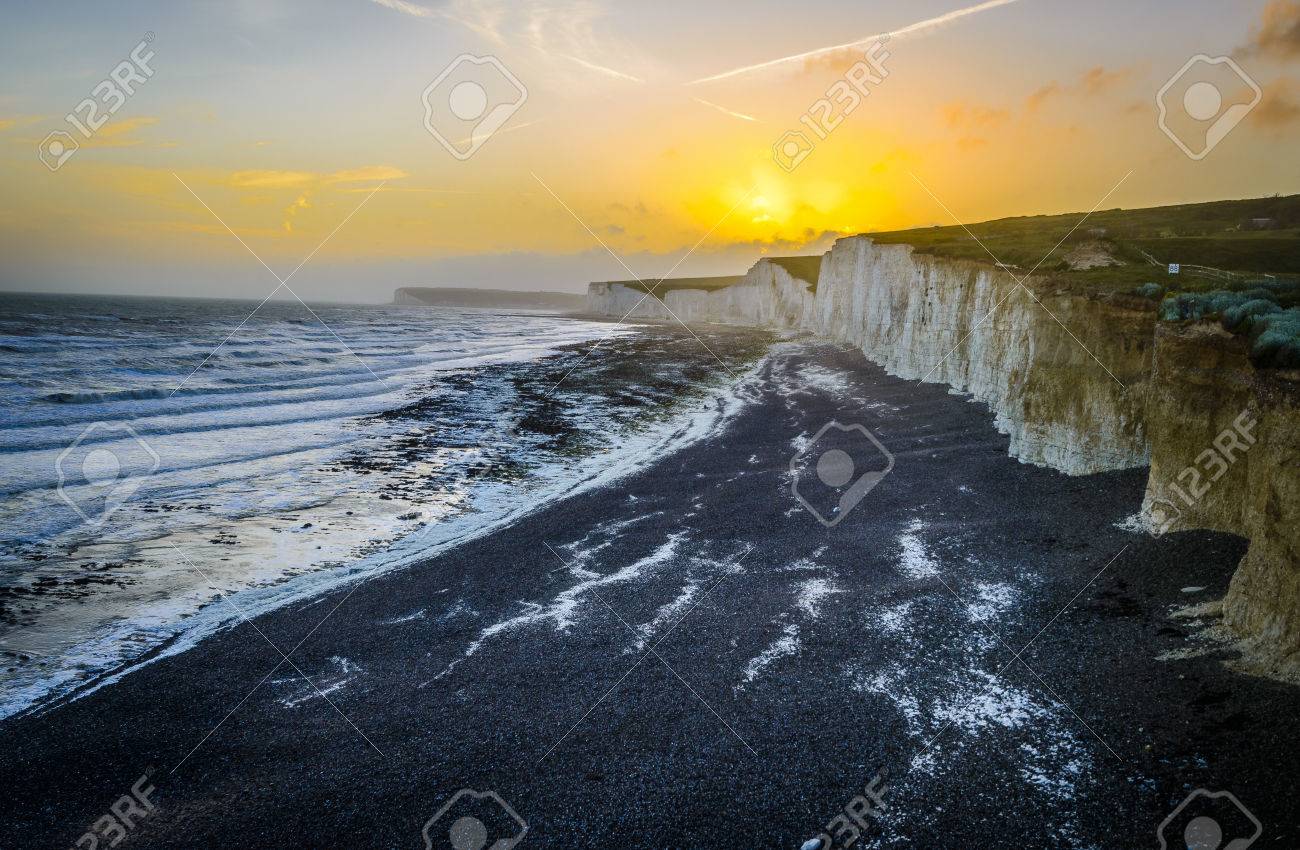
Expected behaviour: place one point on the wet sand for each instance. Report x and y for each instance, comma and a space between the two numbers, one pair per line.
688, 658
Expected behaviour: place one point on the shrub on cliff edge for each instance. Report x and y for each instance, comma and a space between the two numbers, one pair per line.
1276, 339
1236, 317
1274, 332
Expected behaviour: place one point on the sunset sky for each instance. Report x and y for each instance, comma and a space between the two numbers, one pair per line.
284, 115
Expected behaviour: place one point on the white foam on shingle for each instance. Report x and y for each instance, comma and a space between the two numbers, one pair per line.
318, 688
403, 618
892, 685
994, 702
1136, 523
810, 594
563, 611
785, 645
668, 614
894, 620
992, 598
914, 560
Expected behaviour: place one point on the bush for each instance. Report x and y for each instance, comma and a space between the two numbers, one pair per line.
1259, 292
1276, 340
1236, 316
1199, 305
1278, 287
1176, 308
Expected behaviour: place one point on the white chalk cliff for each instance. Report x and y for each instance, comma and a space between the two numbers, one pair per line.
926, 318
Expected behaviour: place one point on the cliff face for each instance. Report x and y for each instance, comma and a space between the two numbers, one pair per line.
932, 319
974, 328
1264, 598
1079, 384
1225, 441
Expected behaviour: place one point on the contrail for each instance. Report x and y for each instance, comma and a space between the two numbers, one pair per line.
724, 110
592, 66
408, 8
508, 129
418, 11
910, 29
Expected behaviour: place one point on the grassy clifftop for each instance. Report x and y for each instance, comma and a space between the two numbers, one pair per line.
1113, 251
1117, 250
667, 284
1240, 262
803, 268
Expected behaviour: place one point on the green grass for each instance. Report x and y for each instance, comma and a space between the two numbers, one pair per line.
802, 268
1219, 234
663, 285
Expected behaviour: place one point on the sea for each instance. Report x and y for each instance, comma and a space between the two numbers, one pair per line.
173, 466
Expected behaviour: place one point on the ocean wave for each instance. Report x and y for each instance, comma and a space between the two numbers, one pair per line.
93, 659
96, 396
253, 436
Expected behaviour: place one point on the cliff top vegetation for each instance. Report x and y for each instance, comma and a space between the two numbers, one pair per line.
1117, 250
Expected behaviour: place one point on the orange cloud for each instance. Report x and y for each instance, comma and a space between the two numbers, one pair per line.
1281, 104
1036, 100
301, 203
960, 114
118, 134
1278, 32
368, 172
271, 179
18, 121
1093, 82
1099, 81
